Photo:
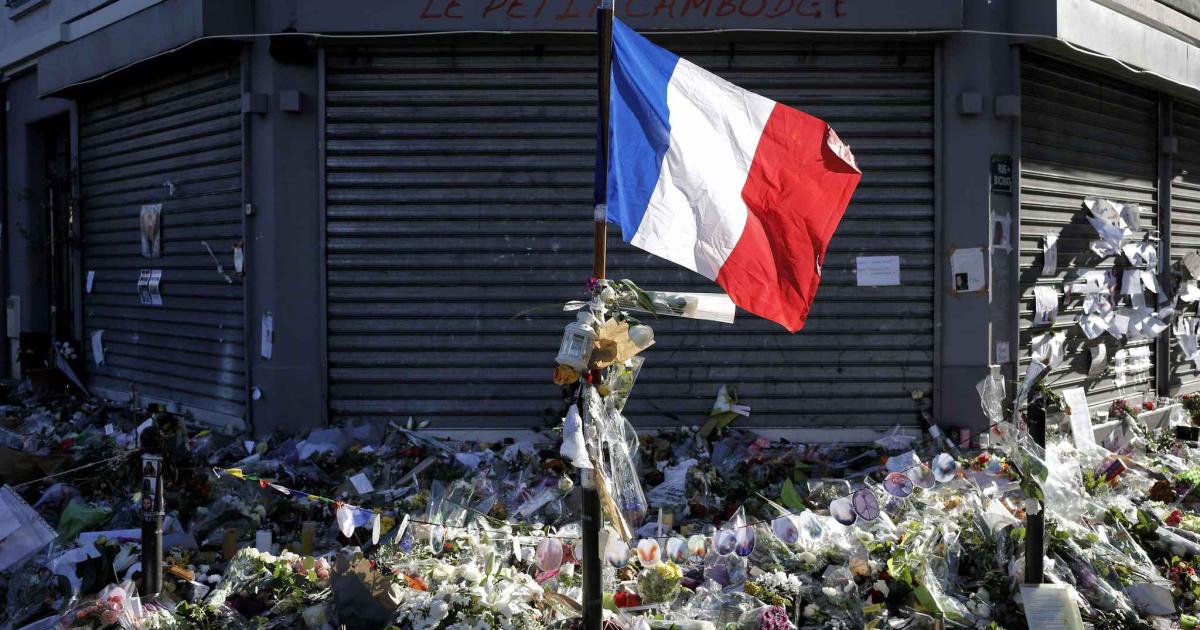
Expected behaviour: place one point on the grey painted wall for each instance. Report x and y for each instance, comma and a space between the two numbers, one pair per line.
285, 260
971, 324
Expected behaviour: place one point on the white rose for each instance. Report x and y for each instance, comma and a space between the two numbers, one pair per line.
811, 611
442, 573
470, 573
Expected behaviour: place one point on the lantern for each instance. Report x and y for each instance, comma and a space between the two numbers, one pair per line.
577, 342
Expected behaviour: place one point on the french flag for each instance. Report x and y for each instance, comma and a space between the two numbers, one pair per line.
732, 185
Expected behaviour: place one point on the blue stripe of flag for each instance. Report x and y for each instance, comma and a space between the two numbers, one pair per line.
640, 126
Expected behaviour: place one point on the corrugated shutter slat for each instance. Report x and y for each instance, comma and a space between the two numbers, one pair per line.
1185, 224
1082, 135
459, 184
185, 129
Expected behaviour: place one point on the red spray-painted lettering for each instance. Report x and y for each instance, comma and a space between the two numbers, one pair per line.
563, 10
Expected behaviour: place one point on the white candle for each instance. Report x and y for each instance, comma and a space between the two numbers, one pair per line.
262, 540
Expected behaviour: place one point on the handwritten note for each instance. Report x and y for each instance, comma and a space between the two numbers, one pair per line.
878, 271
1051, 607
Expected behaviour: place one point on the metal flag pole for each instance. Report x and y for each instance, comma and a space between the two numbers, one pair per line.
1035, 524
593, 588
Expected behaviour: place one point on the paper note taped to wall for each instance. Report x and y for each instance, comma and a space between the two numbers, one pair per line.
98, 347
966, 266
1045, 307
267, 338
1050, 255
878, 271
1082, 433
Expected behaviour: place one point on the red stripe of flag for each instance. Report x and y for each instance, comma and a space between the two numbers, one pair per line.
797, 190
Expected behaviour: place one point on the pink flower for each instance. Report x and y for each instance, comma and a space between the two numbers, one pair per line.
109, 617
322, 568
298, 567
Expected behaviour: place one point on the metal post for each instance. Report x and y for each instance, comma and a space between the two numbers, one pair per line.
593, 587
153, 509
604, 26
1035, 524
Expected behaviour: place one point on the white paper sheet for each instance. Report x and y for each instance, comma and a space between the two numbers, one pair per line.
1047, 349
1051, 607
1002, 352
1119, 326
1131, 214
1189, 291
1082, 433
1185, 333
1111, 235
1098, 303
1102, 209
1045, 305
1131, 284
1104, 249
1093, 325
1049, 254
361, 484
673, 490
98, 347
1149, 280
1093, 281
1141, 254
966, 267
878, 271
267, 338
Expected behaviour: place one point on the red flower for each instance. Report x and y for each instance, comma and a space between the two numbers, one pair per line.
1174, 518
1148, 405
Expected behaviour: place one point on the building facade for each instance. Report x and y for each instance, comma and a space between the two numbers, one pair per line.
372, 209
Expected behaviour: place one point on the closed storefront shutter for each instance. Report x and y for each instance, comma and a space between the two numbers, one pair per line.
1082, 135
459, 186
174, 141
1185, 223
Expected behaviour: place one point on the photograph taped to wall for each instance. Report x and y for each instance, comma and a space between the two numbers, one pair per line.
967, 267
151, 223
143, 286
153, 284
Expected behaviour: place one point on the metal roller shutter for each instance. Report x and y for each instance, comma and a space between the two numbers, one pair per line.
1185, 223
1082, 135
174, 141
459, 184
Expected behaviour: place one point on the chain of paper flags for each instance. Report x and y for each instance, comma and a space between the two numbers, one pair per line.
737, 536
